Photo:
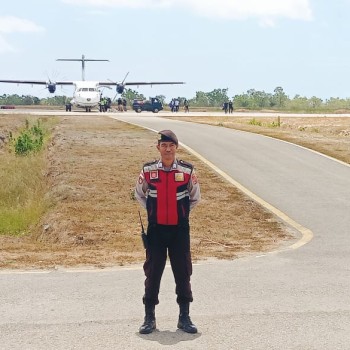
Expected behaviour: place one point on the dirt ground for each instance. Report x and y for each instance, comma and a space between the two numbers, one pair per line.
92, 165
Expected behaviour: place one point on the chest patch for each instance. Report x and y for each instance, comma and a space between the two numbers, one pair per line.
179, 177
153, 174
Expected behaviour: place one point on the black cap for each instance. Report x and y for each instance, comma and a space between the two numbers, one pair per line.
168, 136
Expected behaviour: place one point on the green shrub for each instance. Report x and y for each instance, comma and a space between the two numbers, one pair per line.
31, 139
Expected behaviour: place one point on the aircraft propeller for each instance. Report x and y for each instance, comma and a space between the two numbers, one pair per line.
119, 86
51, 86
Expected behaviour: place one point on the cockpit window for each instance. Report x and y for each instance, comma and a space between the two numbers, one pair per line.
87, 89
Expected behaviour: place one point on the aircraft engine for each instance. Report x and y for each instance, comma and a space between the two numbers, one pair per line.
120, 88
51, 87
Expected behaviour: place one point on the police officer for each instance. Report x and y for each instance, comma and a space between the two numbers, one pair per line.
168, 188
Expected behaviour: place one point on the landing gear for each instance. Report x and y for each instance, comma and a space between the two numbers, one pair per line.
87, 109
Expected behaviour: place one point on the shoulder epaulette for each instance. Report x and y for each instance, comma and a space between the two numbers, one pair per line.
151, 163
186, 164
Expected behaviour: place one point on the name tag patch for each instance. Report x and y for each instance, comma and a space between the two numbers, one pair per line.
179, 177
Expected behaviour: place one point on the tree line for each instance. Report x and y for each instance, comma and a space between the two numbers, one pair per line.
251, 100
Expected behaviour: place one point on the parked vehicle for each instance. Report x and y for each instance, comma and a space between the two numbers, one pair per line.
151, 105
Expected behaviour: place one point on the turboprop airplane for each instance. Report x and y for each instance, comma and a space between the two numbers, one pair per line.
87, 94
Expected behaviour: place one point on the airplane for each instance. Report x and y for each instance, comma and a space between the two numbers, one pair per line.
87, 94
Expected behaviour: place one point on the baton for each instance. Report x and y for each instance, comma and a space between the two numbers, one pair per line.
143, 234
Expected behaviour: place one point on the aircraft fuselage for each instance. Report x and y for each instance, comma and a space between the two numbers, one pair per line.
86, 94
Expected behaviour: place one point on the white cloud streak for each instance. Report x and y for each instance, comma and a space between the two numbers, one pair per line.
265, 11
11, 24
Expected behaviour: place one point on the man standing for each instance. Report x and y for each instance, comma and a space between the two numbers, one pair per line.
120, 104
225, 107
124, 103
168, 188
186, 106
230, 106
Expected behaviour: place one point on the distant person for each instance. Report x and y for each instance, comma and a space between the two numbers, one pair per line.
230, 106
172, 105
177, 105
186, 106
108, 104
68, 107
225, 107
102, 104
124, 103
120, 105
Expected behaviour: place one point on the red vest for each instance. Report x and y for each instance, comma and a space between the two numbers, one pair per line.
168, 200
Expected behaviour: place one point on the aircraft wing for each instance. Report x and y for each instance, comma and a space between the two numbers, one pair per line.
111, 83
37, 82
101, 83
64, 82
156, 83
33, 82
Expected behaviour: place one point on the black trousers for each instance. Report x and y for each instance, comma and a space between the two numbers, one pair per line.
175, 241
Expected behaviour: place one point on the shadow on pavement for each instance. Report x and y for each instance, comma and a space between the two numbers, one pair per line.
169, 337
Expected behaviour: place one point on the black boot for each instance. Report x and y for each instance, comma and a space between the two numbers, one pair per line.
185, 322
149, 324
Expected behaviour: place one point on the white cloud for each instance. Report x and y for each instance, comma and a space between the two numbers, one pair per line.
262, 10
11, 24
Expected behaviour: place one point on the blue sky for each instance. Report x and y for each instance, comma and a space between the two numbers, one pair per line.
301, 45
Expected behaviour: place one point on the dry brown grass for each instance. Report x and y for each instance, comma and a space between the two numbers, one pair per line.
92, 166
328, 135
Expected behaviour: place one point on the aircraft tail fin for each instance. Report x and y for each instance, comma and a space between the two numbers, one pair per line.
82, 60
